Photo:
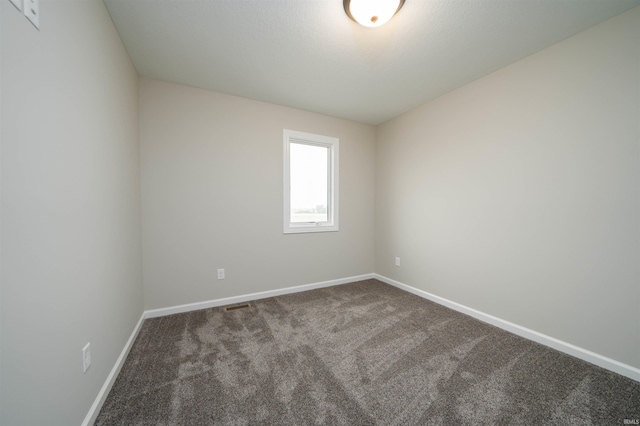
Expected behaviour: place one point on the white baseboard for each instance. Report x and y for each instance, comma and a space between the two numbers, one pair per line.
111, 378
248, 297
583, 354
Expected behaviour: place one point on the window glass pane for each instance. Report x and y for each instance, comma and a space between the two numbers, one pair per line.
309, 183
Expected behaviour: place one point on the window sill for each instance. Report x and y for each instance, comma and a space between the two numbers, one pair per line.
301, 229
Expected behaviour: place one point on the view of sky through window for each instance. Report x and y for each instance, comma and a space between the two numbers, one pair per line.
309, 182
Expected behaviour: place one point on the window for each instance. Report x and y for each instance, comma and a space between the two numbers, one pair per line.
310, 182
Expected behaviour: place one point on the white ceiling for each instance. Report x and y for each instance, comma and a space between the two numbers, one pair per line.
308, 54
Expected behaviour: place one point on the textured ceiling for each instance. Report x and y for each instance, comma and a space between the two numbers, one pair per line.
308, 54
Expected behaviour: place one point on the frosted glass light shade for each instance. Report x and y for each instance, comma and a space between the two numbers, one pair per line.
372, 13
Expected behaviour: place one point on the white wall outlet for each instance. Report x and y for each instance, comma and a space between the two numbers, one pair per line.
86, 357
31, 9
17, 3
397, 261
221, 274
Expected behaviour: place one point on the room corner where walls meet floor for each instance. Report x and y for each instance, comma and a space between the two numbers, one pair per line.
580, 353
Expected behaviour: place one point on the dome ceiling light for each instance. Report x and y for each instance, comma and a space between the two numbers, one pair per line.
372, 13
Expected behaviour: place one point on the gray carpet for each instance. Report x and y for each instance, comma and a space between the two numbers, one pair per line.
363, 353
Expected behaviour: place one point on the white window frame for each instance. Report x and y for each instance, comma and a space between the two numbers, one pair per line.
292, 136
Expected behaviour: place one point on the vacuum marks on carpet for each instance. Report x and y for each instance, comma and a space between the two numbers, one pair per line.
363, 353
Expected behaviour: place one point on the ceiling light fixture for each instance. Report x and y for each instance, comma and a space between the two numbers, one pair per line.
372, 13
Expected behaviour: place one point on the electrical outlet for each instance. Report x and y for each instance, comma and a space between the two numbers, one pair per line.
17, 3
221, 274
86, 357
31, 9
397, 261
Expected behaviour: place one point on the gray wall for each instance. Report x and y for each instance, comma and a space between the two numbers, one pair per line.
517, 194
70, 209
211, 175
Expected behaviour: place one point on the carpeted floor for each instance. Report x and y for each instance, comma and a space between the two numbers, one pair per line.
363, 353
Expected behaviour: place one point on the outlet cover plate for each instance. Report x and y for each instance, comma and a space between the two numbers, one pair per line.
86, 357
31, 9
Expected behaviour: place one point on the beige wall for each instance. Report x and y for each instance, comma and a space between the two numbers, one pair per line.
518, 194
211, 175
70, 209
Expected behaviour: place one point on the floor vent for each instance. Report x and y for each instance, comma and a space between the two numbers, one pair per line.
236, 307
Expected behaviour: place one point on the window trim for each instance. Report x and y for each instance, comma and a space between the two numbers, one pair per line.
333, 144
